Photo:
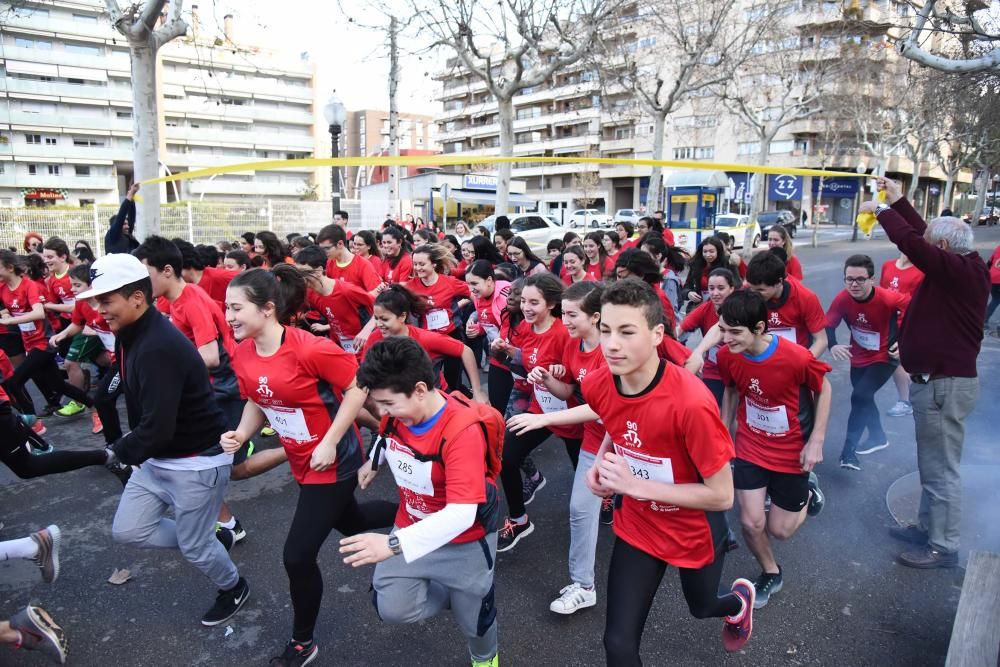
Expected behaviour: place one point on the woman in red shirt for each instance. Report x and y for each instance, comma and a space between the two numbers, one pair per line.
397, 265
267, 245
598, 266
995, 290
521, 256
490, 299
543, 345
711, 254
778, 237
500, 240
363, 244
574, 265
721, 283
612, 245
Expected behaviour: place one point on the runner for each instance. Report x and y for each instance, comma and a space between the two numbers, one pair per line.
196, 271
174, 438
872, 315
59, 301
500, 240
574, 265
343, 265
41, 548
237, 260
900, 275
641, 265
598, 265
780, 396
543, 342
345, 306
626, 234
397, 265
365, 245
612, 245
522, 257
709, 255
490, 300
304, 385
672, 261
778, 237
721, 283
442, 549
479, 247
393, 307
994, 288
269, 247
666, 458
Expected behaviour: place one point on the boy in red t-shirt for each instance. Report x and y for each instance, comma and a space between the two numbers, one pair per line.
995, 292
433, 559
779, 394
900, 275
872, 315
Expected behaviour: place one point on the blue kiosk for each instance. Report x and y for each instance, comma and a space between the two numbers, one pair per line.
693, 198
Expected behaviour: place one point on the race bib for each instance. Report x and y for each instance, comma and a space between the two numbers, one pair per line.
867, 340
647, 467
348, 345
408, 472
107, 338
786, 333
548, 401
290, 423
492, 332
438, 319
26, 327
772, 420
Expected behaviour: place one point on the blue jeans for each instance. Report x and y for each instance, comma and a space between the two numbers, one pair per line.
865, 382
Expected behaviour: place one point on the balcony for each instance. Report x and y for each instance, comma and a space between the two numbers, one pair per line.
239, 87
61, 27
58, 182
259, 188
199, 161
234, 113
613, 145
117, 61
251, 137
551, 169
86, 91
66, 122
67, 153
624, 171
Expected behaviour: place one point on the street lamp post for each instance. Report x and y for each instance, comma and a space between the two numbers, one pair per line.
336, 114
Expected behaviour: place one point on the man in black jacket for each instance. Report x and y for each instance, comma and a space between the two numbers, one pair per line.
119, 236
174, 440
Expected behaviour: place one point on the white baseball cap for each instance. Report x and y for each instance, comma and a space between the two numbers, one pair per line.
112, 272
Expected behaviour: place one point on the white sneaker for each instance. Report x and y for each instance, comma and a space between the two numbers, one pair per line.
572, 598
901, 409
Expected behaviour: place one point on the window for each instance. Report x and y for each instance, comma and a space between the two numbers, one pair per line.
33, 138
86, 202
529, 223
76, 82
748, 148
82, 170
232, 101
85, 141
50, 141
37, 107
32, 169
124, 114
26, 43
784, 146
84, 18
704, 153
3, 167
54, 170
683, 153
83, 49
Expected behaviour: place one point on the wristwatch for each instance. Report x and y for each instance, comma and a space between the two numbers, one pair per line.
880, 208
394, 545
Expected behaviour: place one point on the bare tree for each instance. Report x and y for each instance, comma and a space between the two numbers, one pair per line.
955, 37
511, 46
138, 23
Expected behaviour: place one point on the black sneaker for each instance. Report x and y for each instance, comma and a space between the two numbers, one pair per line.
531, 486
239, 532
850, 461
528, 468
226, 536
295, 655
766, 585
816, 499
909, 533
511, 534
227, 603
608, 511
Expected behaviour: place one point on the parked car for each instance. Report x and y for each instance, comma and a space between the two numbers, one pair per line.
990, 216
627, 215
735, 226
590, 218
784, 218
536, 229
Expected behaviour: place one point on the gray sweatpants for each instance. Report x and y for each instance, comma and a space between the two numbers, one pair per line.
195, 497
584, 522
459, 576
939, 411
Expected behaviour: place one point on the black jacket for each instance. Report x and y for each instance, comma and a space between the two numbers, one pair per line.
114, 240
171, 408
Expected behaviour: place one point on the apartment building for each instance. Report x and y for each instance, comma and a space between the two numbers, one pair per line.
367, 134
66, 116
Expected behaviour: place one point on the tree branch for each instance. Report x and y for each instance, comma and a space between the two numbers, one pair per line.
174, 27
150, 15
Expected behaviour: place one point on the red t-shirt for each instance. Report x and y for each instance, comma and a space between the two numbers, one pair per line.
672, 351
904, 281
400, 273
459, 270
426, 487
300, 388
597, 272
441, 297
60, 291
346, 309
670, 433
215, 281
436, 345
703, 318
579, 365
668, 236
491, 323
376, 263
357, 272
85, 316
995, 266
19, 301
544, 350
6, 370
871, 323
794, 268
200, 319
796, 314
774, 403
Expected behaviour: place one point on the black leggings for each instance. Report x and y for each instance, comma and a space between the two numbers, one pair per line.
105, 398
499, 386
320, 509
453, 369
633, 579
40, 366
17, 440
515, 449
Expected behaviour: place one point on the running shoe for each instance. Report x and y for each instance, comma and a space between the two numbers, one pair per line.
71, 409
268, 432
850, 461
511, 534
873, 447
572, 598
120, 470
49, 409
295, 655
765, 586
227, 603
901, 409
608, 511
529, 487
816, 499
39, 633
528, 467
226, 536
492, 662
47, 558
238, 532
909, 533
38, 427
96, 419
736, 629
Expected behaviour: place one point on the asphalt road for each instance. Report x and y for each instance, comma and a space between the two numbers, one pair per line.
845, 601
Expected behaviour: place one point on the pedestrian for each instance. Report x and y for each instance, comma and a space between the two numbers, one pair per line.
119, 237
994, 288
945, 382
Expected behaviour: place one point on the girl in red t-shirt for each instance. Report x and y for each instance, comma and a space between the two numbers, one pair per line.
597, 266
612, 245
397, 265
490, 299
543, 345
574, 268
721, 283
778, 237
364, 245
711, 254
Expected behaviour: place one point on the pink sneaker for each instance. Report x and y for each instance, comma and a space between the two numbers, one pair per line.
736, 629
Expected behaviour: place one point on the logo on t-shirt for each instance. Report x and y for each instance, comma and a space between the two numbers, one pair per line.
755, 387
894, 283
533, 357
262, 389
632, 434
582, 374
13, 305
862, 319
774, 319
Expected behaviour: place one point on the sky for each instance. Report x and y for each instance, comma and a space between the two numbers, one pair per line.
351, 59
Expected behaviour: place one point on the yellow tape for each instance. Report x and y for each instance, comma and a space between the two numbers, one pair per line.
462, 158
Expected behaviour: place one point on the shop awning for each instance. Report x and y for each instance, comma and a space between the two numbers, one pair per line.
490, 198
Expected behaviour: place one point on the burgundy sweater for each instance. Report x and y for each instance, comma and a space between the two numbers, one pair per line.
943, 326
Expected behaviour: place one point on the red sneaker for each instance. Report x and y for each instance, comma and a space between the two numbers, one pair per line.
98, 426
736, 629
39, 428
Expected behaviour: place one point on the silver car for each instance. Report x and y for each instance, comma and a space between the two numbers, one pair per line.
536, 229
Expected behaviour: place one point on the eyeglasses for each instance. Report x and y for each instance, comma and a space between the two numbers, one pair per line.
856, 281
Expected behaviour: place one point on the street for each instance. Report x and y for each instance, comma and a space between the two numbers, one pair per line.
844, 602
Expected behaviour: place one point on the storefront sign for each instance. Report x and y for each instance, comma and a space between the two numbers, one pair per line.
40, 193
479, 182
784, 188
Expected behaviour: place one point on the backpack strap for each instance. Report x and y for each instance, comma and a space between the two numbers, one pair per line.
387, 428
455, 425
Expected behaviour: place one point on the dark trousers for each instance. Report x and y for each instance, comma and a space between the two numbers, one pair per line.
17, 441
40, 366
105, 398
515, 449
865, 382
994, 302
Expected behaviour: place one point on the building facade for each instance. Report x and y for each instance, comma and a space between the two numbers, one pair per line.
367, 135
66, 117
